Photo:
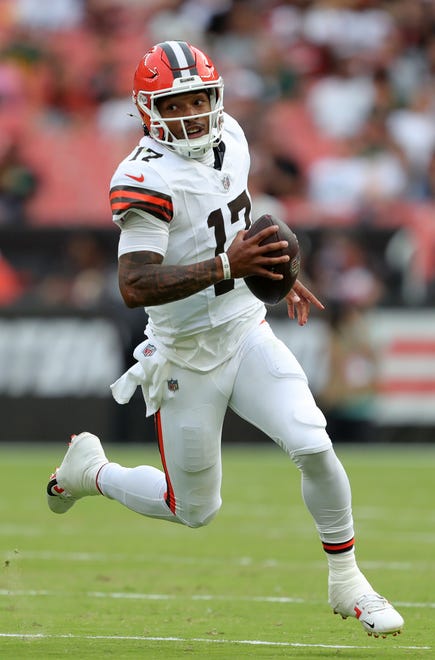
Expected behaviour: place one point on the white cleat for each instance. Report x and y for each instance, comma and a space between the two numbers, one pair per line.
77, 475
59, 501
376, 615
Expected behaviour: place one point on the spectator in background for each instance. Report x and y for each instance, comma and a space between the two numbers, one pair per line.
83, 279
422, 187
89, 271
245, 99
13, 102
290, 56
370, 172
275, 178
18, 183
413, 128
349, 27
49, 15
349, 395
341, 270
11, 286
262, 200
341, 101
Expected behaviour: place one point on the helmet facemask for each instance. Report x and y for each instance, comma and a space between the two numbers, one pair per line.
159, 128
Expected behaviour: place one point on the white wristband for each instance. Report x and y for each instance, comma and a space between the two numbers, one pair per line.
225, 265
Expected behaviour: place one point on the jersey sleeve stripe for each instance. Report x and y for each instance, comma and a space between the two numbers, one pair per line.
124, 198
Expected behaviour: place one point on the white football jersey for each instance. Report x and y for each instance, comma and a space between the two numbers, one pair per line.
198, 209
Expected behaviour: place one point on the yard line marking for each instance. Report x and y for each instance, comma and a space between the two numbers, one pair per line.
142, 596
186, 640
205, 597
274, 563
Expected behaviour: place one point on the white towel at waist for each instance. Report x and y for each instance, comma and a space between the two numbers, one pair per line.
150, 373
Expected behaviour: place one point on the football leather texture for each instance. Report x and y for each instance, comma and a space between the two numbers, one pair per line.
272, 292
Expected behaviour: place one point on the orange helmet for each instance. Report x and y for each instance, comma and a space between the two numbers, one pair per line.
175, 67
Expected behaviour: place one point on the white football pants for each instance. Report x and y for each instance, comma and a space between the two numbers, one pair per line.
265, 385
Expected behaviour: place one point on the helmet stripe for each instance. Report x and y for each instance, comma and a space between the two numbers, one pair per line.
180, 58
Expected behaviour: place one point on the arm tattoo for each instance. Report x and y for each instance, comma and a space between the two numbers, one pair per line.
143, 281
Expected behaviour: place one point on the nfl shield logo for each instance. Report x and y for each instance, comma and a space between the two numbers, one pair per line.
149, 350
226, 182
172, 385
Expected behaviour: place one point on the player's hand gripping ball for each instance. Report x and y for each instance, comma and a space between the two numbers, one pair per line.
272, 291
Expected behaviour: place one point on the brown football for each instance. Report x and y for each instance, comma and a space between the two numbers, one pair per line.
272, 291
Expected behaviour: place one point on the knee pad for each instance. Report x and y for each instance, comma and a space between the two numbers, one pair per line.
198, 515
302, 431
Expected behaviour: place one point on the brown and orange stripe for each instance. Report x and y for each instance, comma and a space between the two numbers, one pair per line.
126, 198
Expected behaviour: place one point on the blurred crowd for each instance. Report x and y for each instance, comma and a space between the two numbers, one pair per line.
337, 98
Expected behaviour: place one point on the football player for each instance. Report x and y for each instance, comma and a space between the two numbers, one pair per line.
181, 202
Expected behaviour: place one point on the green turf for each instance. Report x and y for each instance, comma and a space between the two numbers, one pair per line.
102, 581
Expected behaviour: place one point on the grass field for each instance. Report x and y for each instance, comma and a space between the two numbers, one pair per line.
103, 582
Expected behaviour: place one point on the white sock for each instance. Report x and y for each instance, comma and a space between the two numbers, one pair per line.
342, 563
346, 583
141, 489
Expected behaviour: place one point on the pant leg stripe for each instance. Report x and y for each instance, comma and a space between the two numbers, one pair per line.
170, 496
